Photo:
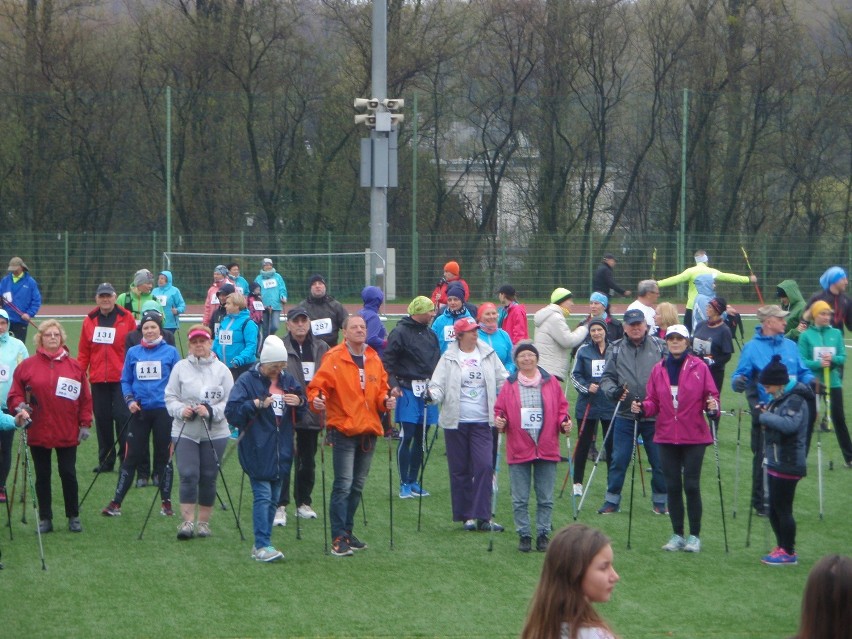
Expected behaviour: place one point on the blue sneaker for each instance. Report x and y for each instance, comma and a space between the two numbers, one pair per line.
405, 491
608, 508
779, 557
417, 490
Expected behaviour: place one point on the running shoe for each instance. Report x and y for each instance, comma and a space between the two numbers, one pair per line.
306, 512
202, 529
113, 510
405, 491
280, 516
186, 530
166, 509
578, 490
417, 490
693, 544
354, 542
267, 554
608, 508
676, 543
340, 547
660, 509
470, 524
780, 557
486, 525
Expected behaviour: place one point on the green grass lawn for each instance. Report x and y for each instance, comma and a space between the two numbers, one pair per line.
439, 582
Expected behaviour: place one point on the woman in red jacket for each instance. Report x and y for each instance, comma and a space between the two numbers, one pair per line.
531, 409
50, 388
679, 390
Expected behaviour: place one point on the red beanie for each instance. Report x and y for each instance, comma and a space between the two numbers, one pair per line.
452, 267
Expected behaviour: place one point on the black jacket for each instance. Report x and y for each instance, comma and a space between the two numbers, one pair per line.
603, 280
412, 352
296, 367
840, 305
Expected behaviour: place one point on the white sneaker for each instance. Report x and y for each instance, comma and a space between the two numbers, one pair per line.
578, 490
305, 512
280, 517
675, 543
693, 544
267, 554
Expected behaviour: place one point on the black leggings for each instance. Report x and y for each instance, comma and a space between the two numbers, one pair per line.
142, 425
7, 443
66, 460
781, 494
584, 443
681, 466
305, 469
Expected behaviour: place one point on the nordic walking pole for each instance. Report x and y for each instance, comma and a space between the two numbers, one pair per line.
827, 418
389, 436
714, 422
597, 460
28, 390
571, 459
494, 490
28, 475
8, 303
641, 471
751, 272
323, 435
296, 456
737, 465
632, 479
10, 500
422, 460
571, 471
110, 455
222, 475
162, 480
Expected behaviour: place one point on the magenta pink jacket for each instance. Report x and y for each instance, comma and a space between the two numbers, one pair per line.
520, 447
686, 424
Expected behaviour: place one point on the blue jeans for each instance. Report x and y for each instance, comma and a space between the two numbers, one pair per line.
351, 459
622, 450
409, 454
263, 511
544, 480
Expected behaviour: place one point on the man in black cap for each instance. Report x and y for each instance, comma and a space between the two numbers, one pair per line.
325, 312
603, 280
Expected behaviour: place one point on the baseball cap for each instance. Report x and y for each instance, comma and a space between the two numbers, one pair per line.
465, 325
226, 289
298, 311
770, 310
634, 316
105, 289
677, 329
17, 262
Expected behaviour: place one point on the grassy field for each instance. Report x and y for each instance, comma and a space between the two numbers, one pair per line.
438, 582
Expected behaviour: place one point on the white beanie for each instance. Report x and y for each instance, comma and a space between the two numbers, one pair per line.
273, 350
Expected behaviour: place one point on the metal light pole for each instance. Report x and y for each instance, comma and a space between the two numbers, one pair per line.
378, 188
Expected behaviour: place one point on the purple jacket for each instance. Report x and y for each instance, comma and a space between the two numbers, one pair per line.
520, 446
684, 425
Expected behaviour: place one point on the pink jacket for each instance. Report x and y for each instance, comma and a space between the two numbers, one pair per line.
515, 323
520, 447
684, 425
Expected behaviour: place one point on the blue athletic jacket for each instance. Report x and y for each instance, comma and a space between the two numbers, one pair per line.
756, 354
242, 348
25, 296
146, 372
169, 297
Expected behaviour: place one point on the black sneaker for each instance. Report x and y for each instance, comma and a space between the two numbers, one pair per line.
525, 544
354, 542
340, 547
541, 542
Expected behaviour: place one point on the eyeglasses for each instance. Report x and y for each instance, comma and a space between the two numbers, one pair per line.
57, 335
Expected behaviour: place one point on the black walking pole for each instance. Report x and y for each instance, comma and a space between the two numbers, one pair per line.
110, 455
166, 477
571, 459
494, 490
28, 475
737, 464
222, 476
714, 421
632, 480
388, 432
422, 462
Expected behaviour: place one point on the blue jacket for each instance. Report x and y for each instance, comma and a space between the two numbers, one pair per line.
138, 363
266, 440
786, 426
502, 345
24, 294
12, 352
377, 334
240, 284
242, 347
169, 297
273, 290
588, 361
706, 292
756, 354
445, 321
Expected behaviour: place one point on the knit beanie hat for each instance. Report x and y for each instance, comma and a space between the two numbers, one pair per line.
143, 276
831, 276
152, 316
775, 373
316, 277
452, 267
719, 304
420, 304
221, 270
524, 345
597, 321
600, 298
273, 350
819, 306
456, 290
559, 295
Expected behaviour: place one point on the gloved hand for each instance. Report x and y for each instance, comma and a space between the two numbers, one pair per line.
85, 431
739, 384
427, 397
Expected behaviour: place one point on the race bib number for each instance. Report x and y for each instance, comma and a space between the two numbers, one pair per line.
598, 367
308, 370
5, 374
226, 338
258, 305
321, 326
67, 388
701, 347
362, 378
270, 282
214, 300
211, 394
531, 418
239, 289
103, 335
162, 299
674, 395
278, 405
149, 370
449, 334
418, 387
819, 351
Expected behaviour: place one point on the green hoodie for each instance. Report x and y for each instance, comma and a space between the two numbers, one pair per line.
796, 307
819, 337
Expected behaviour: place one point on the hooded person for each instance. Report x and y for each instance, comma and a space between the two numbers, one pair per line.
377, 334
12, 352
273, 291
455, 309
553, 338
169, 297
140, 292
599, 309
236, 337
791, 299
326, 313
705, 286
833, 282
265, 404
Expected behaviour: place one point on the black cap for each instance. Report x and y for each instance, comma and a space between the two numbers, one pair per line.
609, 256
316, 277
634, 316
298, 311
105, 289
508, 290
226, 289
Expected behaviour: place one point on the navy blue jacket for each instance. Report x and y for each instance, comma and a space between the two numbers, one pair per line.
266, 441
786, 426
582, 376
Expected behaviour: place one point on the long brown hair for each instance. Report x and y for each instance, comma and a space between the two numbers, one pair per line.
826, 613
559, 595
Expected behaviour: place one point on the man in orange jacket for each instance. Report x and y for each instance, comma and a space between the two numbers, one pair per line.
351, 387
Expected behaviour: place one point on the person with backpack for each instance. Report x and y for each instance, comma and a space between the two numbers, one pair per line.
139, 293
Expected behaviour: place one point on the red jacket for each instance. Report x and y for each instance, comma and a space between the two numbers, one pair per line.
54, 381
520, 446
104, 361
684, 425
439, 295
349, 409
515, 322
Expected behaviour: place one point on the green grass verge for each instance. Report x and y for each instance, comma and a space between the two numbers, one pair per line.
439, 582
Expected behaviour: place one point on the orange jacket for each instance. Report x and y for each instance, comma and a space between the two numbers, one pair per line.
349, 409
